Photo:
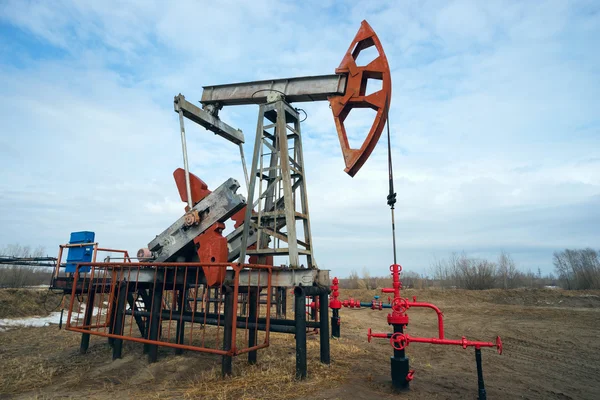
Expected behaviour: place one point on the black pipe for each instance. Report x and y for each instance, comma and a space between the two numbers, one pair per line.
283, 304
300, 317
480, 384
60, 320
226, 363
218, 321
311, 290
399, 363
324, 330
252, 307
241, 321
335, 323
155, 320
118, 328
87, 318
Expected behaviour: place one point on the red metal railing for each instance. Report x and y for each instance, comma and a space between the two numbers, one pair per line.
169, 304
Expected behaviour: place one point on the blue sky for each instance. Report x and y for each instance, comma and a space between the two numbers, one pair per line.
494, 117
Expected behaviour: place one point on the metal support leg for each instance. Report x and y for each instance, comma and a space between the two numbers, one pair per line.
155, 321
480, 384
283, 301
226, 362
87, 318
300, 317
138, 320
119, 318
252, 308
324, 330
180, 323
147, 304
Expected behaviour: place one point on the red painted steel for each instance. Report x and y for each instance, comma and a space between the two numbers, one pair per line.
355, 96
400, 340
200, 334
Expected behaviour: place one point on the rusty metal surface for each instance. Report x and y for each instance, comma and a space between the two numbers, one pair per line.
306, 88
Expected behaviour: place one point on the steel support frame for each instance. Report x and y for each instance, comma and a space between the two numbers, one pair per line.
285, 171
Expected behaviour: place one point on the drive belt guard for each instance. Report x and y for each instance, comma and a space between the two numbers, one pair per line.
355, 97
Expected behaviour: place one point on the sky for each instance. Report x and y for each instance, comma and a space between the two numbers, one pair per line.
494, 121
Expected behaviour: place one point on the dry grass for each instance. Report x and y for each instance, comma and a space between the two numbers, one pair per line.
275, 370
45, 363
27, 302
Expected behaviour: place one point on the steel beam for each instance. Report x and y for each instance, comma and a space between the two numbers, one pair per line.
210, 122
282, 277
306, 88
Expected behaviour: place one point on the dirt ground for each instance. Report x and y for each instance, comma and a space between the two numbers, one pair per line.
551, 351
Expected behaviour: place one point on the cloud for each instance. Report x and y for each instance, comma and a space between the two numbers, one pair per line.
494, 122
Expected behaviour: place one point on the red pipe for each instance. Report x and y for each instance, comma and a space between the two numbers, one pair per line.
462, 342
440, 315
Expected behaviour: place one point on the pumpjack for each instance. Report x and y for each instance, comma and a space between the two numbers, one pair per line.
192, 274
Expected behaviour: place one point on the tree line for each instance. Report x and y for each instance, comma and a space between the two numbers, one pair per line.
574, 269
16, 276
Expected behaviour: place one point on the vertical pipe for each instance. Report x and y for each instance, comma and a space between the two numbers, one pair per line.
226, 362
335, 323
87, 318
324, 328
180, 323
399, 364
480, 384
300, 317
118, 328
283, 301
185, 161
252, 307
154, 320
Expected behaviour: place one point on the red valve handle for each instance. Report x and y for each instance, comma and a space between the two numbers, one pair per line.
398, 341
410, 376
399, 305
499, 345
399, 267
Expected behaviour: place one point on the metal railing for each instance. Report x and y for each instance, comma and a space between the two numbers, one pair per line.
169, 304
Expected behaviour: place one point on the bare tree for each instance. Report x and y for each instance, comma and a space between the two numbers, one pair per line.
507, 270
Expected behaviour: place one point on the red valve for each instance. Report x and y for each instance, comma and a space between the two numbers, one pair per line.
399, 305
410, 376
399, 341
499, 345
